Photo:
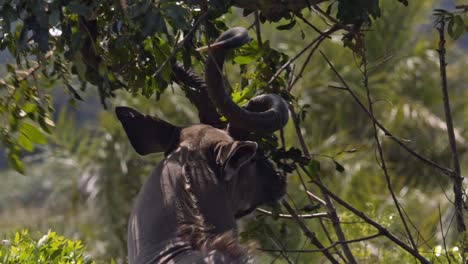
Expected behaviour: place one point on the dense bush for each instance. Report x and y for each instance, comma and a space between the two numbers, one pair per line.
49, 248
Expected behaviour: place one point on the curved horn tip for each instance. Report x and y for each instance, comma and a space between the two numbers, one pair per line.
229, 39
234, 37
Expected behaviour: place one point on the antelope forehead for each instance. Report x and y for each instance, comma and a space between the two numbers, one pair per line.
216, 135
204, 133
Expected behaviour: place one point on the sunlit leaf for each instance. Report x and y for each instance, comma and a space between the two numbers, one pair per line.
242, 60
29, 108
16, 163
25, 143
33, 133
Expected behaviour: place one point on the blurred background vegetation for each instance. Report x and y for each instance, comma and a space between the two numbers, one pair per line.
82, 183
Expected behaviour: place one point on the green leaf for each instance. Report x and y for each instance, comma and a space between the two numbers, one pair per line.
358, 12
79, 65
313, 168
338, 166
240, 97
25, 143
290, 25
16, 163
138, 9
153, 23
80, 9
242, 60
404, 2
441, 11
45, 122
29, 108
73, 92
176, 15
458, 27
33, 133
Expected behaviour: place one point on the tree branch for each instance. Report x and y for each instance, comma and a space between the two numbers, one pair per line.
456, 176
313, 239
329, 247
383, 164
328, 203
425, 160
288, 216
177, 47
324, 35
382, 230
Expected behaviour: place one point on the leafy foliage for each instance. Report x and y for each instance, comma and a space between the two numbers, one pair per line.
358, 12
50, 248
119, 45
456, 24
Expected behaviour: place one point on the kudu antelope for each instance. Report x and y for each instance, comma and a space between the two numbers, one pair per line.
186, 211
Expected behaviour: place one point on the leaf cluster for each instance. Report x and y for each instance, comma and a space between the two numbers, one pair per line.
125, 45
456, 22
49, 248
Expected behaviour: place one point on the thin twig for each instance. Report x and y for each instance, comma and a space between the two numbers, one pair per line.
280, 70
441, 168
332, 19
288, 216
329, 247
313, 197
456, 176
328, 202
443, 236
309, 24
336, 226
278, 244
181, 44
309, 234
258, 30
384, 231
299, 75
383, 163
419, 236
300, 137
337, 87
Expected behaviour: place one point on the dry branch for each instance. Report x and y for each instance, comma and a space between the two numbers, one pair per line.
382, 230
456, 175
383, 164
425, 160
309, 234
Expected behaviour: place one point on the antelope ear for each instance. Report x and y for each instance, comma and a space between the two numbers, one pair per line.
233, 155
147, 134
